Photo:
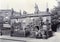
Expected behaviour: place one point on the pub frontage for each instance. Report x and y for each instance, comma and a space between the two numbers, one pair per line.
33, 25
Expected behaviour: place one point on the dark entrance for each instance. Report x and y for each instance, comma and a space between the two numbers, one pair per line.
37, 27
55, 27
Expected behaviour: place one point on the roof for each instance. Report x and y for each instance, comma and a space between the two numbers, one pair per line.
8, 10
33, 15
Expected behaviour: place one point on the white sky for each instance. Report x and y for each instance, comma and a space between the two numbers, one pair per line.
27, 5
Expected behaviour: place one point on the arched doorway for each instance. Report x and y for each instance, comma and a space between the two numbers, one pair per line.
37, 27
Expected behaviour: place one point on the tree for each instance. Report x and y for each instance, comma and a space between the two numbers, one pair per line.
55, 17
55, 14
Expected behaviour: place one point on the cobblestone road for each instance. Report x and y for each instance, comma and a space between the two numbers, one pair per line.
55, 38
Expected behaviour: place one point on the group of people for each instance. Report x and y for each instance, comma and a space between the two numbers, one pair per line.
39, 33
43, 33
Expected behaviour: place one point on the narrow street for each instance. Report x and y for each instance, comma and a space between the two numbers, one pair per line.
55, 38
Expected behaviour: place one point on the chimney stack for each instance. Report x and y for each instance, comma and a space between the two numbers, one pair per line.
47, 10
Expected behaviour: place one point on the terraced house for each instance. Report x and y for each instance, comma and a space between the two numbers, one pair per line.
37, 24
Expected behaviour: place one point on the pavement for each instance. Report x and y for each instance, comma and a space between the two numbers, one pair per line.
55, 38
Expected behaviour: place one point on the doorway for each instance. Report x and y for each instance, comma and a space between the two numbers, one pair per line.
56, 27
